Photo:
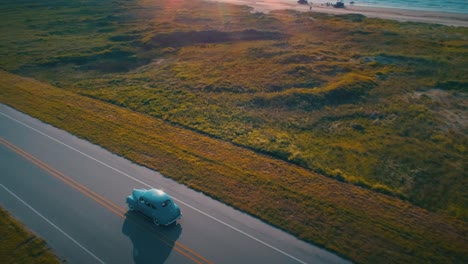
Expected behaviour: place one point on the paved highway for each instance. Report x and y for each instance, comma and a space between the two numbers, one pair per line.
72, 193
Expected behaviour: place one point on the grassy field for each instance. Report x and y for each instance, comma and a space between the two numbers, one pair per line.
19, 245
378, 107
388, 114
358, 223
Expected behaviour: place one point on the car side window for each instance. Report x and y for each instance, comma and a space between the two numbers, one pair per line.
165, 203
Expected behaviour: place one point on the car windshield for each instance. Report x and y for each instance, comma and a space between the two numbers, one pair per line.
165, 203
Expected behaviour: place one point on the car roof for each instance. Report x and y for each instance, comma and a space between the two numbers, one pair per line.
156, 196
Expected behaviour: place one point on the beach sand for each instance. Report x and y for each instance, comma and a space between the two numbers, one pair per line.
444, 18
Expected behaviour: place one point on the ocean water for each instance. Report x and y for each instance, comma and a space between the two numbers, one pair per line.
452, 6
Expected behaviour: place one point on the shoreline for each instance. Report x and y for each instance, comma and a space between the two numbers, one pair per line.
402, 15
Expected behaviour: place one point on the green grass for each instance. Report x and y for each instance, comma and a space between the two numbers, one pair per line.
364, 226
320, 94
20, 245
378, 104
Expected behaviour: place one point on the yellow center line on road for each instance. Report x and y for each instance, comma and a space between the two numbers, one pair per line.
184, 250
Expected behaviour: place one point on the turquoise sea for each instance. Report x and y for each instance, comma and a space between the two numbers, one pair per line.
453, 6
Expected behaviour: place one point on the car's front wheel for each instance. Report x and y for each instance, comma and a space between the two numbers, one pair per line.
156, 221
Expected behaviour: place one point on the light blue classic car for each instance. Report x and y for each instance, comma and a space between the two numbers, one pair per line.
155, 204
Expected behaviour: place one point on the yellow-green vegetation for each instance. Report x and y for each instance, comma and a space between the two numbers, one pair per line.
376, 103
18, 245
358, 223
380, 106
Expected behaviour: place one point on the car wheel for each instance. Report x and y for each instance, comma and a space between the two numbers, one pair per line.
156, 221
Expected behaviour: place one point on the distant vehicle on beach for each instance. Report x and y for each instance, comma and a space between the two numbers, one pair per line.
339, 5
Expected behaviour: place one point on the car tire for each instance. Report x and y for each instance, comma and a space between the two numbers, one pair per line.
156, 221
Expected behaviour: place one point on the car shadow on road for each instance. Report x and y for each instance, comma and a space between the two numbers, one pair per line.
151, 244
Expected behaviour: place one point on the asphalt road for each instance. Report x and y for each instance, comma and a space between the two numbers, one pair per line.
72, 193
